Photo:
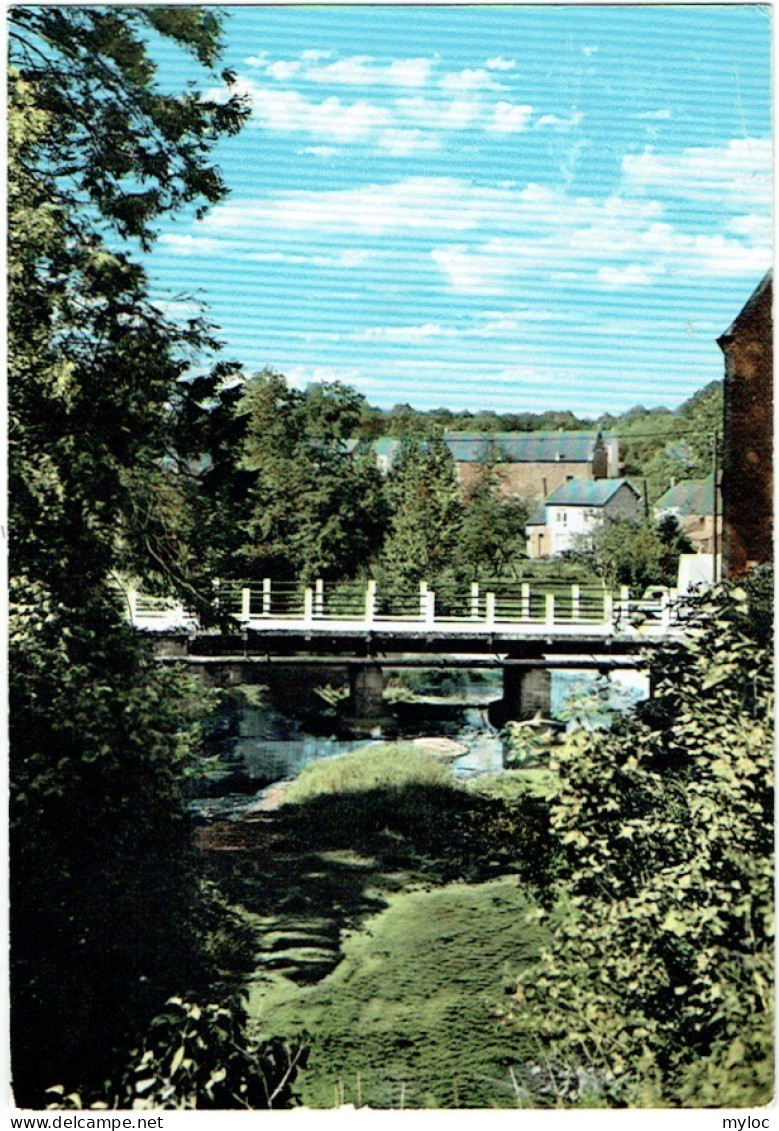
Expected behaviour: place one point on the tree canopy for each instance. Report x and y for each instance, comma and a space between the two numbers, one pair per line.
108, 916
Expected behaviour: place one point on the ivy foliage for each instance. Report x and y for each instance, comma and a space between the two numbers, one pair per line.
658, 989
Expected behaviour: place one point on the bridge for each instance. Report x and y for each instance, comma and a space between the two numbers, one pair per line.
526, 629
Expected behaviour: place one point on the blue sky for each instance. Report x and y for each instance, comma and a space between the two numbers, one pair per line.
518, 208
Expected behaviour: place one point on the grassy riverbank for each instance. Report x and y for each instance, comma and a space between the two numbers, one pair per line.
406, 1018
384, 897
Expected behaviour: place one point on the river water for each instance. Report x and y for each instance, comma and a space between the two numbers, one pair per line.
255, 741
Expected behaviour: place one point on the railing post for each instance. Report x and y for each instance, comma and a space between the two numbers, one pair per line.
246, 603
624, 602
608, 607
370, 602
525, 601
575, 602
319, 601
665, 611
132, 604
423, 599
308, 603
429, 607
266, 596
475, 600
549, 609
490, 608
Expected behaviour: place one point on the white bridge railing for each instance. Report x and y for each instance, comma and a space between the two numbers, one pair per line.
534, 606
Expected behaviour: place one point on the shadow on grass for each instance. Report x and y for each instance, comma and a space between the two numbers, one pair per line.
334, 855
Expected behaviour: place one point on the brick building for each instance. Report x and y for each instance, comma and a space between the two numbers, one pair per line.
747, 456
531, 465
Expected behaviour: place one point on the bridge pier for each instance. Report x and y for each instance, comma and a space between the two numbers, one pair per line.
366, 699
525, 692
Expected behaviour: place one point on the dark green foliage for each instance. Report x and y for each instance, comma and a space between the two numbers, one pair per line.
198, 1057
115, 141
492, 535
660, 446
108, 917
660, 980
425, 519
636, 554
101, 869
315, 509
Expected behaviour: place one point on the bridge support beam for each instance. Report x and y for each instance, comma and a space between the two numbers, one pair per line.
525, 692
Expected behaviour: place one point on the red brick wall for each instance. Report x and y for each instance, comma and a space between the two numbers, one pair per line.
747, 459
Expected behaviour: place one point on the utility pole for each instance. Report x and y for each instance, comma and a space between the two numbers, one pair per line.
715, 504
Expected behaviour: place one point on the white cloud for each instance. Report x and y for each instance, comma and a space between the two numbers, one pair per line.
458, 114
739, 173
402, 142
434, 204
469, 272
470, 79
323, 151
663, 115
754, 226
509, 118
498, 63
555, 121
288, 111
344, 259
283, 70
404, 334
189, 244
393, 125
630, 276
353, 70
301, 375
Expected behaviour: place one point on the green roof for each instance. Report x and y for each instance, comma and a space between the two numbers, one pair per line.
689, 497
524, 447
587, 492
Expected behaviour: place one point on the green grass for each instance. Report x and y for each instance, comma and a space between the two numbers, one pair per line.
387, 901
511, 786
406, 1018
383, 766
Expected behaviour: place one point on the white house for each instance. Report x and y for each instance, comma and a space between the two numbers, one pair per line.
576, 508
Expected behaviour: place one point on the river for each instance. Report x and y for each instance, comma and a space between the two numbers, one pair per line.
256, 739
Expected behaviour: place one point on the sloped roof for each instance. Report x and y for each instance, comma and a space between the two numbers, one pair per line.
763, 288
524, 447
538, 517
587, 492
689, 497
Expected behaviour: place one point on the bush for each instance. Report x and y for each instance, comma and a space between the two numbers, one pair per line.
198, 1057
663, 961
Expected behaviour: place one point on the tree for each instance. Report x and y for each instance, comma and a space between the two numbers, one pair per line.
316, 506
658, 989
636, 554
492, 536
425, 518
107, 912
